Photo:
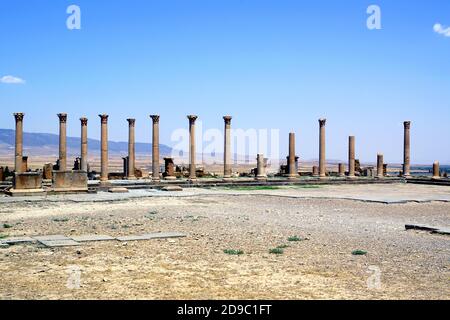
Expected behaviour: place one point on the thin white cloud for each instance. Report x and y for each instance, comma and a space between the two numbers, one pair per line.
11, 80
440, 29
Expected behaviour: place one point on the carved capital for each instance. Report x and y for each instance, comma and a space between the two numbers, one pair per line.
155, 118
84, 121
322, 122
62, 117
407, 124
227, 119
19, 116
104, 118
131, 122
192, 119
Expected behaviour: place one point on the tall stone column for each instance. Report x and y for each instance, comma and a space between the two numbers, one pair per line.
131, 149
322, 163
436, 171
292, 174
19, 142
406, 149
227, 148
84, 144
380, 163
155, 147
62, 141
260, 167
104, 147
351, 157
192, 173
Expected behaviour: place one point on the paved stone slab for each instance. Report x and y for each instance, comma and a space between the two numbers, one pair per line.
92, 237
18, 240
59, 243
55, 237
150, 236
444, 231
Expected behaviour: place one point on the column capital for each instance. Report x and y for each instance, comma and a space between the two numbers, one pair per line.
192, 118
104, 118
227, 119
19, 116
84, 121
62, 117
407, 124
131, 122
322, 122
155, 118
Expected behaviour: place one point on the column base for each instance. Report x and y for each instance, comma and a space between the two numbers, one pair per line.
25, 192
131, 178
170, 178
261, 178
292, 177
227, 179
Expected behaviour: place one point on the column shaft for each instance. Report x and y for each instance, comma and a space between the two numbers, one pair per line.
62, 141
19, 142
351, 156
192, 172
104, 147
155, 147
227, 148
291, 165
84, 144
407, 149
131, 149
436, 170
322, 161
380, 163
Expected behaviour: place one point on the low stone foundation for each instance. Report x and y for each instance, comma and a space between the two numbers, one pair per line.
70, 181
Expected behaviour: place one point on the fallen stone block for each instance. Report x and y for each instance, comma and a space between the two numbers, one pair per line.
172, 188
19, 240
118, 190
59, 243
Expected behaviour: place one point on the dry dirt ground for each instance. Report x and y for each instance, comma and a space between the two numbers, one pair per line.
399, 264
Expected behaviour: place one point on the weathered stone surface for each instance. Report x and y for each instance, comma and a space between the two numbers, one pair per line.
150, 236
51, 237
155, 147
92, 237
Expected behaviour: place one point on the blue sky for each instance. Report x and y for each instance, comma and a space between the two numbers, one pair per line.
271, 64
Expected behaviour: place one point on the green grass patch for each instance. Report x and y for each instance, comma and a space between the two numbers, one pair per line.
276, 251
7, 226
233, 252
3, 236
283, 246
252, 188
294, 239
60, 219
308, 186
359, 253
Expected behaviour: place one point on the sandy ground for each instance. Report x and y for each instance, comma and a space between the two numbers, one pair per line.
399, 264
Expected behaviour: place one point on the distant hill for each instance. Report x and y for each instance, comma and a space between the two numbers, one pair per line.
47, 143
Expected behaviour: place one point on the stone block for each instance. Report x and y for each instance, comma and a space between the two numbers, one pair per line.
70, 181
118, 190
92, 237
151, 236
27, 181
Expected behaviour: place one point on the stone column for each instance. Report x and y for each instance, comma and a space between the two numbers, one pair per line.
292, 174
341, 170
322, 163
62, 141
155, 147
131, 149
260, 167
351, 157
406, 149
380, 163
315, 171
192, 173
84, 144
436, 171
19, 142
104, 148
227, 148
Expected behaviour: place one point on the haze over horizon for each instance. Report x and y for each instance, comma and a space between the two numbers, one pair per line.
270, 64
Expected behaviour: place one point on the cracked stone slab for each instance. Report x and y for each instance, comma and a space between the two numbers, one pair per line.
60, 243
151, 236
18, 240
56, 237
92, 237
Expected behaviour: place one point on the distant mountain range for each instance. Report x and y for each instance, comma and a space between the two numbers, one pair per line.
47, 143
